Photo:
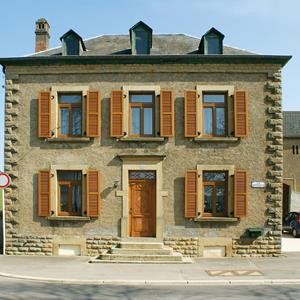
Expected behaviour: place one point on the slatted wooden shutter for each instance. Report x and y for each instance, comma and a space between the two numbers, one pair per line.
116, 114
93, 193
191, 193
166, 114
44, 115
241, 114
190, 114
44, 193
93, 113
240, 193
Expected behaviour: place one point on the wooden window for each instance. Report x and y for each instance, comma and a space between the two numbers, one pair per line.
190, 114
241, 114
141, 114
215, 194
240, 193
44, 115
166, 114
70, 114
44, 193
93, 111
69, 193
116, 114
191, 193
214, 114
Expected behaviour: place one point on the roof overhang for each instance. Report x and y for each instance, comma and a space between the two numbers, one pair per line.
146, 59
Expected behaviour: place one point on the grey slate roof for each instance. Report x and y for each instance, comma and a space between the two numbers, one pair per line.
291, 124
162, 44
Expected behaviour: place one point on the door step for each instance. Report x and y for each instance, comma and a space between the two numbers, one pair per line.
141, 252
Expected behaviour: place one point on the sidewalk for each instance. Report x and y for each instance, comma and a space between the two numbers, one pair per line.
283, 270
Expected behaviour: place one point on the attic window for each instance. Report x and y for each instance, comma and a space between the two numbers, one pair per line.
140, 38
211, 42
72, 43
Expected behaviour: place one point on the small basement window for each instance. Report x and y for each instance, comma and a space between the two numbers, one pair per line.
295, 149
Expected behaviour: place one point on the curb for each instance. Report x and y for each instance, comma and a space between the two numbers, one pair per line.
156, 282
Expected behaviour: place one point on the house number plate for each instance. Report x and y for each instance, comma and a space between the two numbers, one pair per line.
258, 184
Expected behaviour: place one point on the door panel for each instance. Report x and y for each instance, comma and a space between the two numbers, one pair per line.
142, 207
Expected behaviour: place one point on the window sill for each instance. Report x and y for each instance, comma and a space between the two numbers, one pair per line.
216, 219
68, 218
216, 140
69, 140
143, 139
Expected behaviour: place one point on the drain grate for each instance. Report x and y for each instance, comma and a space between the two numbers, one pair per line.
234, 273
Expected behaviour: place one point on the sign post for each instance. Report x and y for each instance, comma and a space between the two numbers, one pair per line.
4, 183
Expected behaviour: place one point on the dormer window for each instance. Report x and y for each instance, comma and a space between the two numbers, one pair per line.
72, 43
140, 38
211, 42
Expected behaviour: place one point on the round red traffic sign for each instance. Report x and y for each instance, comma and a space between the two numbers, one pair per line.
4, 180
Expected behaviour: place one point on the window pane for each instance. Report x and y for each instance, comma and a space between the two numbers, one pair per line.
144, 98
208, 128
72, 45
76, 122
214, 176
141, 42
64, 121
213, 45
220, 121
221, 199
69, 175
208, 193
148, 121
64, 198
68, 98
76, 199
135, 120
214, 98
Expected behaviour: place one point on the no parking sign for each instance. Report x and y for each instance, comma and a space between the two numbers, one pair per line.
4, 180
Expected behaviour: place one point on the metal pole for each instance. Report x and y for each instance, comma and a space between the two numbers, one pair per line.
3, 221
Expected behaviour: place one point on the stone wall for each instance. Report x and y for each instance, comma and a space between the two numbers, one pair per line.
187, 246
97, 245
260, 247
18, 244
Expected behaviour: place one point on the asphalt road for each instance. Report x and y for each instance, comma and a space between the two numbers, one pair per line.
30, 290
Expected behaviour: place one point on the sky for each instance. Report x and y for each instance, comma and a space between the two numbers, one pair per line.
261, 26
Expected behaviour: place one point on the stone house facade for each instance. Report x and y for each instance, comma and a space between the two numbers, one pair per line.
291, 159
164, 137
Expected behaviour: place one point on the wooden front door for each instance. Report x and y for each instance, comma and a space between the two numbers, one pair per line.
142, 208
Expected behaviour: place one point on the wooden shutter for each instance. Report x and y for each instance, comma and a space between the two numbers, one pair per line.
93, 193
240, 193
44, 193
166, 114
116, 114
93, 112
190, 114
44, 115
240, 114
191, 193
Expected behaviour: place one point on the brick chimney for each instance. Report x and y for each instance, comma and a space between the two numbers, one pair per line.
42, 35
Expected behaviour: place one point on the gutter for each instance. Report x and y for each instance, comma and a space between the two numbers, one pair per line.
146, 59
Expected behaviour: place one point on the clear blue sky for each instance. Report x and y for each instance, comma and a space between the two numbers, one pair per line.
262, 26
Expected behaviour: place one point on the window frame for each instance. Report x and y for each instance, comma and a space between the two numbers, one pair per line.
70, 107
70, 183
214, 106
215, 184
141, 106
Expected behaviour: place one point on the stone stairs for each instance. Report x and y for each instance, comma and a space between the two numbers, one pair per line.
141, 252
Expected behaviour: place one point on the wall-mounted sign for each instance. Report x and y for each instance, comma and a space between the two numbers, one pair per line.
258, 184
